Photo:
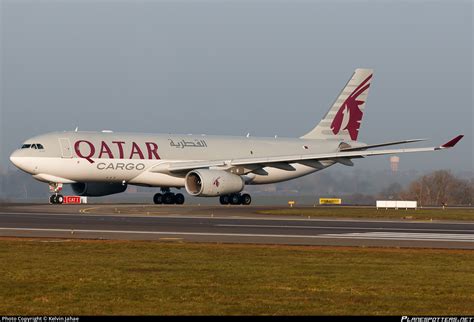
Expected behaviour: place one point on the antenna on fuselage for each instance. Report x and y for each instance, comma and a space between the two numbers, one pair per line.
248, 135
77, 129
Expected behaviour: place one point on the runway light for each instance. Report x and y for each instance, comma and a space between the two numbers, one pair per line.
291, 203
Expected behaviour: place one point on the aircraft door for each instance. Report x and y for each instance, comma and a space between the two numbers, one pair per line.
65, 145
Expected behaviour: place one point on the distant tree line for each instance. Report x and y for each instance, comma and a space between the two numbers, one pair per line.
440, 187
434, 189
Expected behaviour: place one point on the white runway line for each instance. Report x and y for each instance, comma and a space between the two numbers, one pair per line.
405, 236
344, 228
368, 236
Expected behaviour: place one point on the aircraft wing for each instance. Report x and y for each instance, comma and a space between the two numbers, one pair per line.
371, 146
283, 162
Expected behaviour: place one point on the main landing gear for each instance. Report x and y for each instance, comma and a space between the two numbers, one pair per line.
236, 199
168, 198
57, 198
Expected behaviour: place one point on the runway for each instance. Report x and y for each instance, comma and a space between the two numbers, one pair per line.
227, 225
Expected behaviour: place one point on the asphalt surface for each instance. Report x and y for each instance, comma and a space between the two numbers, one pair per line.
224, 225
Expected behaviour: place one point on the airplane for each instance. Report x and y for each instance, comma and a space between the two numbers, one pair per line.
104, 163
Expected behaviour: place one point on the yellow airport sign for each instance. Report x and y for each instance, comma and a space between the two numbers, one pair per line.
330, 201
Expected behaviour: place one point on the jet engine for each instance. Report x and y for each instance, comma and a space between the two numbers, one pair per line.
97, 189
212, 183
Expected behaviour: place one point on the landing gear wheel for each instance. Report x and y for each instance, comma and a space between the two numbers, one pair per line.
235, 199
246, 199
179, 199
56, 199
158, 199
224, 200
168, 198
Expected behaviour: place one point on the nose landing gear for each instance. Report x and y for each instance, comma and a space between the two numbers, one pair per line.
57, 198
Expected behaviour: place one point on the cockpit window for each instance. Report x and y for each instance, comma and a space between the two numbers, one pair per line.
33, 146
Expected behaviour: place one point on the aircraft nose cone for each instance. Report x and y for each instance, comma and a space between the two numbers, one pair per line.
14, 158
19, 162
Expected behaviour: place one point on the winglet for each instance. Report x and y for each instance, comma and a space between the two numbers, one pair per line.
453, 142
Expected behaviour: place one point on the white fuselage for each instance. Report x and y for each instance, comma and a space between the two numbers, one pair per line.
131, 158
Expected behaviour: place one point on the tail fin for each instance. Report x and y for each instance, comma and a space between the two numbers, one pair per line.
343, 119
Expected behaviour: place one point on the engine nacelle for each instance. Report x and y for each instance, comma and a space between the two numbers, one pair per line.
212, 183
97, 189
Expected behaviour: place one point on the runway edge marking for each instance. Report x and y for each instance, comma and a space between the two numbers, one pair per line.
325, 236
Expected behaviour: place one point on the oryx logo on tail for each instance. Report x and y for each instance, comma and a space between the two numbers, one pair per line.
349, 115
344, 118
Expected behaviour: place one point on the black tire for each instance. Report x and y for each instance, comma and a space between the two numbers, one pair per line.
168, 198
246, 199
52, 199
235, 199
224, 200
179, 198
59, 199
158, 199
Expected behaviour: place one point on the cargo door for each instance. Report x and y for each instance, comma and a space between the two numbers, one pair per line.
65, 145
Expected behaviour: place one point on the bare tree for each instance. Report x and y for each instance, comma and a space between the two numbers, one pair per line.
440, 187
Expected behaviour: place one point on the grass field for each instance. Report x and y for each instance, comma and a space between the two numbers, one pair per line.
103, 277
354, 212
